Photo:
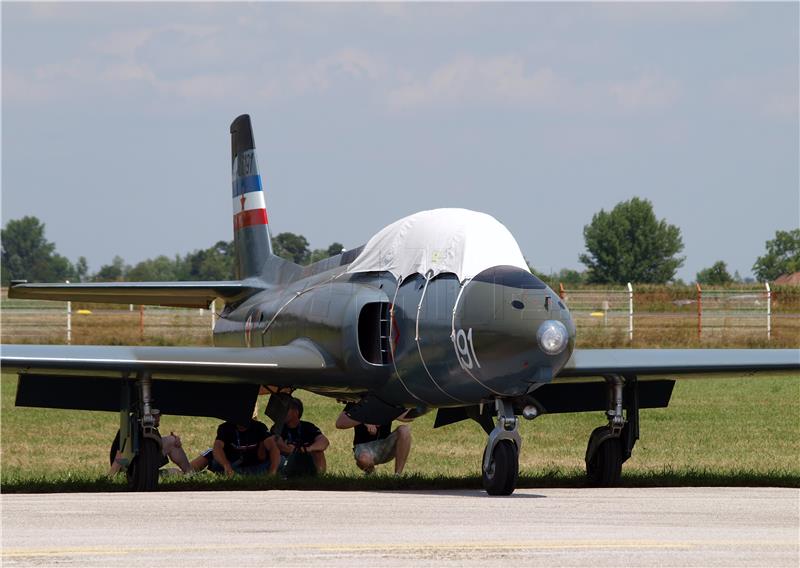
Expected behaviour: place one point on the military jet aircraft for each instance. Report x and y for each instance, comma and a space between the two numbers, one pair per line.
437, 311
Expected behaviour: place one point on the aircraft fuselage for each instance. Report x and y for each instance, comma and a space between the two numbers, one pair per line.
425, 343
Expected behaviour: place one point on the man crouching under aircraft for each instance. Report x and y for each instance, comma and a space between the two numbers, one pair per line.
301, 443
374, 444
246, 449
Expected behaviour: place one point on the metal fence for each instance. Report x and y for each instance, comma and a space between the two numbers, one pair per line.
34, 321
621, 314
708, 312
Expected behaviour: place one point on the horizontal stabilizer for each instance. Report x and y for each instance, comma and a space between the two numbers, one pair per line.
174, 294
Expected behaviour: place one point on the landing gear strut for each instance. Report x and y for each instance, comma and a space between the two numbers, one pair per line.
140, 441
611, 445
501, 456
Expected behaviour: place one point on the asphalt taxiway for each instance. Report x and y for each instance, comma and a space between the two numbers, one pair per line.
556, 527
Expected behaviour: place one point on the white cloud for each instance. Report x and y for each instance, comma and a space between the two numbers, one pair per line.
648, 91
502, 79
509, 80
773, 94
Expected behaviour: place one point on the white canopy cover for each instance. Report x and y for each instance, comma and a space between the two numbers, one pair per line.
460, 241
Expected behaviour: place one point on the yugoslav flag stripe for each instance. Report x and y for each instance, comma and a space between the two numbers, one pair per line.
247, 201
249, 218
246, 184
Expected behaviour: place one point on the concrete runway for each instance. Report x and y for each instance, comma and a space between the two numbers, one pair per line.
555, 527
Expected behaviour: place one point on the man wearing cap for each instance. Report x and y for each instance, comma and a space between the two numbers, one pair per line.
302, 444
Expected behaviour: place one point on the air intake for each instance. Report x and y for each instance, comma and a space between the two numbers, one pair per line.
373, 333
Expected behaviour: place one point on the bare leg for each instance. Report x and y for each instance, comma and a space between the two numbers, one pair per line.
173, 449
403, 448
115, 467
199, 463
319, 462
365, 463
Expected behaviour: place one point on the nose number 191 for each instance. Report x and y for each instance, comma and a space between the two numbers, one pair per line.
465, 349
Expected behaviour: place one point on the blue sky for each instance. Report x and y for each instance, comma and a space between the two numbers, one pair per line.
115, 120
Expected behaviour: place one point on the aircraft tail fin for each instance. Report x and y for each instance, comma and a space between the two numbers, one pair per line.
251, 235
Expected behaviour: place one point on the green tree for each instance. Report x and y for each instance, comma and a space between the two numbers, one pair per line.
322, 254
628, 244
112, 272
570, 277
717, 274
213, 263
291, 247
27, 254
81, 269
335, 248
782, 256
158, 269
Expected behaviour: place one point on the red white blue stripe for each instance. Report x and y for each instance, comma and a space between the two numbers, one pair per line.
249, 205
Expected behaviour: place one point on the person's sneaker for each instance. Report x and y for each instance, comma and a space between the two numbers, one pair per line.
169, 472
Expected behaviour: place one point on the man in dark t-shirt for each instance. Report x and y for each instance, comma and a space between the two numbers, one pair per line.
302, 444
247, 449
374, 444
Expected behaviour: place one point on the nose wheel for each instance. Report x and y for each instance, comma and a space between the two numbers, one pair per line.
501, 456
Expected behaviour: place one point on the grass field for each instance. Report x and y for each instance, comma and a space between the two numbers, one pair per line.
715, 432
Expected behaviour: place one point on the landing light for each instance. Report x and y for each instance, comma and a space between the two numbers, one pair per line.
552, 337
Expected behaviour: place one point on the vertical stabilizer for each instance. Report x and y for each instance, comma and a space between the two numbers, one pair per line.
251, 236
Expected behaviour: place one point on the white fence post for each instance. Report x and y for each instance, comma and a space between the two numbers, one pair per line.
630, 312
213, 313
69, 321
769, 311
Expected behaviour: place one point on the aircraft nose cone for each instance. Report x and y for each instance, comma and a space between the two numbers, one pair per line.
513, 329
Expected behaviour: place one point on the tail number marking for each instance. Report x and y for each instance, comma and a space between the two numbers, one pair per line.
465, 349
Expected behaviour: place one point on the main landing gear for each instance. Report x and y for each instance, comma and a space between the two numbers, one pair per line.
139, 439
501, 456
611, 445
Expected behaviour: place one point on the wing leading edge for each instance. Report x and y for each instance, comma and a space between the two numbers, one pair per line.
298, 364
673, 363
174, 294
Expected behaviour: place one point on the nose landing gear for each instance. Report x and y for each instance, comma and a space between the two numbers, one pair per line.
501, 456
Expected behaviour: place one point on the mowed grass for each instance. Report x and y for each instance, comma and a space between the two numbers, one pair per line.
715, 432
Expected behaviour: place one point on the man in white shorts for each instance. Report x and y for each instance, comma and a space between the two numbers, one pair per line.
374, 444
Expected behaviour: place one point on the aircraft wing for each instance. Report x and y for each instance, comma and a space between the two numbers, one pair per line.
675, 363
175, 294
191, 381
297, 364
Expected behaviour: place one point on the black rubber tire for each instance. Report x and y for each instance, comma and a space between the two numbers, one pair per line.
501, 479
605, 467
143, 471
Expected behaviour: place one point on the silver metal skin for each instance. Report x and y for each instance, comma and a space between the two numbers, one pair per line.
530, 412
615, 418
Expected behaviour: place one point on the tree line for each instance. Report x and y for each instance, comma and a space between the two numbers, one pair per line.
28, 255
627, 244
